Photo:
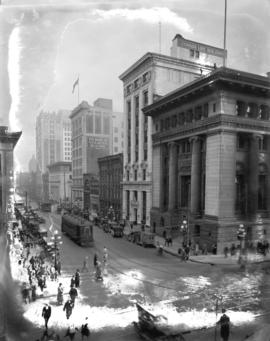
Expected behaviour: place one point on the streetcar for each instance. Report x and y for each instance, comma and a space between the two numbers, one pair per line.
45, 207
78, 229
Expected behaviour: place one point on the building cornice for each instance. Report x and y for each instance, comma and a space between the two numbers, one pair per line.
82, 106
9, 137
152, 58
224, 75
213, 125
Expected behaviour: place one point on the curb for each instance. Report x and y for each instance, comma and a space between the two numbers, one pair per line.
213, 264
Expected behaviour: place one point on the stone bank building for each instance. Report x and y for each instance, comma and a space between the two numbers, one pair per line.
211, 160
152, 76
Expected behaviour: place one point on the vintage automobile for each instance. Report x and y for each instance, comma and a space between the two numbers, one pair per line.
116, 230
143, 238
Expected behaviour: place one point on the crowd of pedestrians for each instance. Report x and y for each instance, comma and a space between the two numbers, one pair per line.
33, 267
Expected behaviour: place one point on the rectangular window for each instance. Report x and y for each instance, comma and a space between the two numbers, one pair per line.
197, 54
185, 189
263, 143
192, 52
241, 141
214, 107
97, 124
89, 124
106, 125
144, 174
135, 175
145, 98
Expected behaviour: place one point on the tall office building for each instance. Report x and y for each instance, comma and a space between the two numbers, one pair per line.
91, 139
118, 133
53, 138
149, 78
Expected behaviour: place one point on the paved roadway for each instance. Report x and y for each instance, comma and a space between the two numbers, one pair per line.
183, 292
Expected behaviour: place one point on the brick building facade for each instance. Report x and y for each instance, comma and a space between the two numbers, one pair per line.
111, 175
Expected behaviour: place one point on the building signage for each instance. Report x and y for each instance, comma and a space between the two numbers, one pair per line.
98, 142
202, 48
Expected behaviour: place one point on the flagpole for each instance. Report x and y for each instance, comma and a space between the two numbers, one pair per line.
225, 28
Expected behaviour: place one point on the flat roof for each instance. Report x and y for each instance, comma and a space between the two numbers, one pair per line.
222, 73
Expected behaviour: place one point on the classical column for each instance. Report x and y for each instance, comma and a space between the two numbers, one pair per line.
172, 174
195, 175
124, 202
253, 183
140, 206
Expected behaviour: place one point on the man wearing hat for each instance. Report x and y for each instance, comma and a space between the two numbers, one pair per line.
224, 322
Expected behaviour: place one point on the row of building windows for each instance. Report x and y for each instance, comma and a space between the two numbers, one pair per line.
193, 114
94, 124
253, 110
243, 141
77, 153
135, 175
137, 83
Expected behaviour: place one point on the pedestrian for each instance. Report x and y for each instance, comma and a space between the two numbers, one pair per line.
226, 251
224, 322
34, 292
105, 255
60, 292
95, 260
72, 281
25, 293
77, 278
71, 332
68, 307
46, 314
85, 332
85, 267
73, 293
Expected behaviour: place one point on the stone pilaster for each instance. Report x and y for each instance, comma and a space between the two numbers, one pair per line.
140, 206
195, 175
148, 207
220, 175
253, 181
172, 174
124, 203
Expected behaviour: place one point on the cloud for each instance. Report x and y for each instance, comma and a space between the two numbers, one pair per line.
14, 76
149, 15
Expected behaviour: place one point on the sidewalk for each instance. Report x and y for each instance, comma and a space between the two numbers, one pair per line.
210, 258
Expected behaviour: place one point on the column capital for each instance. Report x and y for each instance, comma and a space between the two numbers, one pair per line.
171, 144
195, 138
256, 136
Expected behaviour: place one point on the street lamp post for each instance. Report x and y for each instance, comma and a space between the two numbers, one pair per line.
241, 235
184, 228
56, 240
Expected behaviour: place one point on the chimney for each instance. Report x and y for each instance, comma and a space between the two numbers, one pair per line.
268, 74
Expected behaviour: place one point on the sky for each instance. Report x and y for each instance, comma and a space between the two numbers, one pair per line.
45, 45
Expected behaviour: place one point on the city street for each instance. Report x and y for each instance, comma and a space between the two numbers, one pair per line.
185, 293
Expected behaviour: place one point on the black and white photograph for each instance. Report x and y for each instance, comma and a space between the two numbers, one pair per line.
134, 170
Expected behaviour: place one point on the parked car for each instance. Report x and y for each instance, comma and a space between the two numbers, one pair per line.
116, 230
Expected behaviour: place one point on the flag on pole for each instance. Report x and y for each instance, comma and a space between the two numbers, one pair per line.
75, 84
